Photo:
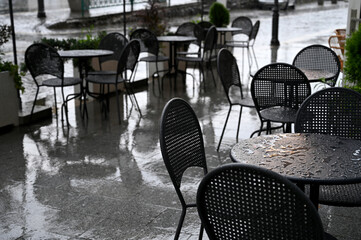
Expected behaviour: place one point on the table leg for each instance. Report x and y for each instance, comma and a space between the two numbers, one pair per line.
314, 194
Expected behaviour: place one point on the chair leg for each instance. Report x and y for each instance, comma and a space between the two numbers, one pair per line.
56, 109
239, 122
254, 56
180, 223
130, 92
64, 107
201, 232
224, 127
202, 75
118, 105
32, 109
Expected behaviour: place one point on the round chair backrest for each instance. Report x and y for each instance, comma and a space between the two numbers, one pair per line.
42, 59
243, 22
114, 42
319, 57
147, 39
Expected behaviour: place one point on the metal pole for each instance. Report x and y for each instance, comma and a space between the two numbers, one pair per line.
124, 20
202, 10
274, 40
14, 42
13, 30
41, 9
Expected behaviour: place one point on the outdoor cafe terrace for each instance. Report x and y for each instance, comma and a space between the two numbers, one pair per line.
97, 178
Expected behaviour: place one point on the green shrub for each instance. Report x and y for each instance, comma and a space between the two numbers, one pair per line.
5, 32
352, 69
219, 15
88, 41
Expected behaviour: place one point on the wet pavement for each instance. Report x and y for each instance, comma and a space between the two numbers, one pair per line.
100, 180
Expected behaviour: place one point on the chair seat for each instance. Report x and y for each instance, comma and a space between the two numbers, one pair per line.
279, 114
335, 195
188, 53
246, 102
154, 59
189, 59
105, 79
56, 82
102, 73
237, 44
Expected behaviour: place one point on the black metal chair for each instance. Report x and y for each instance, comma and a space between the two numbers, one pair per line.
192, 30
206, 55
115, 42
229, 74
43, 62
239, 201
182, 147
333, 111
205, 25
245, 38
125, 71
149, 44
319, 57
278, 89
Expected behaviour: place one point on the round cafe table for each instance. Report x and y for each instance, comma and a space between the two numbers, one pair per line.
304, 158
223, 30
317, 75
173, 40
83, 55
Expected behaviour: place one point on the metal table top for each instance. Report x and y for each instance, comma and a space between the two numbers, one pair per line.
175, 38
316, 75
84, 53
304, 158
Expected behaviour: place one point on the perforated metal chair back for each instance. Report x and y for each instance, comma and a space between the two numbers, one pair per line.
205, 26
279, 84
228, 72
332, 111
238, 201
319, 57
209, 43
128, 59
148, 41
186, 29
254, 32
181, 140
114, 42
42, 59
182, 147
243, 22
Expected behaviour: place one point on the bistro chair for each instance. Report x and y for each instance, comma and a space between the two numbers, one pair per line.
319, 57
229, 74
245, 39
149, 44
205, 25
333, 111
192, 30
182, 147
47, 69
114, 42
206, 55
278, 89
125, 71
239, 201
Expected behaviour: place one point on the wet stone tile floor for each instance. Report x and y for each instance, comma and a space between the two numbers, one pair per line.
97, 179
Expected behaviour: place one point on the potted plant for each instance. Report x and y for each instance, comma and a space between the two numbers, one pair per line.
10, 84
351, 68
219, 15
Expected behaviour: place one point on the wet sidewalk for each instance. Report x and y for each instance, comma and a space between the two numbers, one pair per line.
101, 180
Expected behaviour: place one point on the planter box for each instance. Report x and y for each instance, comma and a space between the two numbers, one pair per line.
9, 101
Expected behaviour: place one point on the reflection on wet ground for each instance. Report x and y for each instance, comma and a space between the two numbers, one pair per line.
101, 180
